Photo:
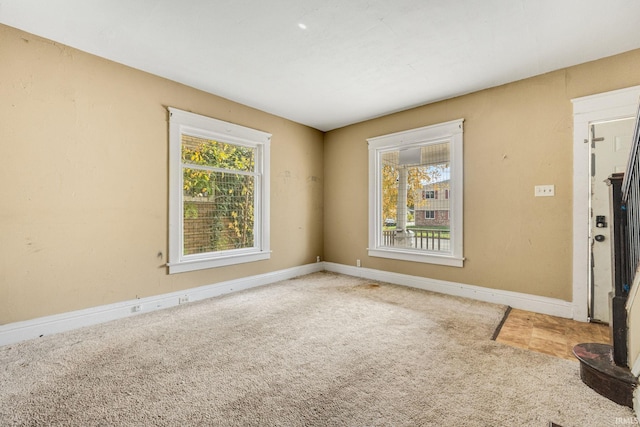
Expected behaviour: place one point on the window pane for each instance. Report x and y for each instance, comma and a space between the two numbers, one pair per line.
415, 197
207, 152
218, 211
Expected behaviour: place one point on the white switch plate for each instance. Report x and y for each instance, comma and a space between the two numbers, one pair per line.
545, 190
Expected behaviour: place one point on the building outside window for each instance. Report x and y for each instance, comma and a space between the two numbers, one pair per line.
436, 208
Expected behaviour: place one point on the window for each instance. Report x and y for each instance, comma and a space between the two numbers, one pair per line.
407, 172
218, 193
428, 195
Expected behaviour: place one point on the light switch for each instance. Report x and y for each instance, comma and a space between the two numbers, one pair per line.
545, 190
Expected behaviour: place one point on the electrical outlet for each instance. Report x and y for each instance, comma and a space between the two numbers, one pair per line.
357, 263
318, 258
545, 190
183, 299
136, 308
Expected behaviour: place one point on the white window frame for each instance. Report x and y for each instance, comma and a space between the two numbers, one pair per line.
183, 122
451, 132
426, 215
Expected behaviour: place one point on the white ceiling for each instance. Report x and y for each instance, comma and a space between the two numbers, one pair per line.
356, 59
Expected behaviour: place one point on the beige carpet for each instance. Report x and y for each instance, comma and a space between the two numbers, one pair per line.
321, 350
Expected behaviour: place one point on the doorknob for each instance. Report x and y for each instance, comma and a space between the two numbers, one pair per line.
599, 238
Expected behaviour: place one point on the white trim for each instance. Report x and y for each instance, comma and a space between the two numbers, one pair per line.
451, 132
183, 122
586, 110
21, 331
538, 304
423, 256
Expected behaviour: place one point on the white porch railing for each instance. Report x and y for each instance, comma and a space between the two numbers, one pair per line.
425, 238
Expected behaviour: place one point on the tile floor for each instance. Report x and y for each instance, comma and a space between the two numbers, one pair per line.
548, 334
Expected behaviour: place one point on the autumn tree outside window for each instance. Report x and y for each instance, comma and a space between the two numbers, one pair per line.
219, 202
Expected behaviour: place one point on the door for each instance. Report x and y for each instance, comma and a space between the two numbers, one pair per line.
610, 146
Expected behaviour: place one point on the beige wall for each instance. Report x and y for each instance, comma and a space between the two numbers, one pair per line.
516, 136
633, 321
83, 181
634, 340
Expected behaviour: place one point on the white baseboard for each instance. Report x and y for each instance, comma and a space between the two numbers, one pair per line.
538, 304
21, 331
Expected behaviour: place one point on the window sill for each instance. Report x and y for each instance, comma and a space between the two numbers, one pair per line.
201, 264
428, 258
